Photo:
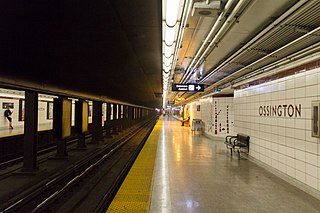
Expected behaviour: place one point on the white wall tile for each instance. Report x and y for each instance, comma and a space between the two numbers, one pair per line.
299, 123
311, 79
300, 144
290, 162
301, 176
291, 171
300, 155
282, 167
300, 92
283, 142
274, 164
299, 134
282, 158
312, 159
300, 165
312, 181
312, 91
312, 170
290, 93
300, 81
312, 147
290, 84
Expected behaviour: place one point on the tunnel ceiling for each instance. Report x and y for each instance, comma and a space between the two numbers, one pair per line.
107, 48
247, 40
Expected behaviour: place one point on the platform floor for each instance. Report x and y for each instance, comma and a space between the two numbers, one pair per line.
193, 173
18, 130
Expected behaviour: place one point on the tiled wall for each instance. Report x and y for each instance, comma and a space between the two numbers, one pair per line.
42, 114
216, 115
281, 137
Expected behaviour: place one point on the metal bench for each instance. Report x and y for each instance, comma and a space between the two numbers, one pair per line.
237, 143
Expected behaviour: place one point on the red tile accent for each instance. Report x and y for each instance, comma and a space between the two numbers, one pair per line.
302, 68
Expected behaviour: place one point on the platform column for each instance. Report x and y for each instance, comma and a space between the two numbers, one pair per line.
125, 117
107, 122
81, 122
134, 110
114, 119
131, 115
97, 134
61, 125
139, 113
120, 117
30, 132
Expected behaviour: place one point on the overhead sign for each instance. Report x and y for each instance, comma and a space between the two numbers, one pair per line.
170, 102
188, 87
217, 89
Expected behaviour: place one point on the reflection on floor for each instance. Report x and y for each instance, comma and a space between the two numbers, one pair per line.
197, 174
20, 130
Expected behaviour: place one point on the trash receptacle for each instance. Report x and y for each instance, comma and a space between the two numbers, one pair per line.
196, 125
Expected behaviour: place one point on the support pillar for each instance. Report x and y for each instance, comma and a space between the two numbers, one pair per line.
81, 122
125, 117
30, 133
97, 133
131, 117
61, 125
114, 121
120, 118
107, 124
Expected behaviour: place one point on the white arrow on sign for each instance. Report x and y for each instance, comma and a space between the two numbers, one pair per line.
198, 87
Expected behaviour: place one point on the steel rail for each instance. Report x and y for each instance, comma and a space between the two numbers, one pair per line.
67, 174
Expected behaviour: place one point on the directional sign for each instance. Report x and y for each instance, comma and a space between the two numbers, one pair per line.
188, 87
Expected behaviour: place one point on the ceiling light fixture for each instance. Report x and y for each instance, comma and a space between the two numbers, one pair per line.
172, 11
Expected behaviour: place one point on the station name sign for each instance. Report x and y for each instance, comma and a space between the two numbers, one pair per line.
281, 110
188, 87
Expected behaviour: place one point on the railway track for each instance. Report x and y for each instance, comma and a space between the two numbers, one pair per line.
90, 184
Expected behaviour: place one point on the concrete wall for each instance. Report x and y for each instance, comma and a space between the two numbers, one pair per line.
216, 115
277, 116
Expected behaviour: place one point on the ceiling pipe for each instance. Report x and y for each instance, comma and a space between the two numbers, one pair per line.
273, 25
306, 57
303, 55
258, 37
187, 8
227, 24
215, 27
276, 51
293, 57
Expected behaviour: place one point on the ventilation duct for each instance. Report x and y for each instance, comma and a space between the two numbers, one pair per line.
211, 9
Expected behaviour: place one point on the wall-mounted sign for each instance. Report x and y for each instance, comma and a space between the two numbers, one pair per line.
285, 110
188, 87
6, 105
315, 121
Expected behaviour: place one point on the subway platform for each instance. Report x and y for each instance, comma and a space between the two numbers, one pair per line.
182, 171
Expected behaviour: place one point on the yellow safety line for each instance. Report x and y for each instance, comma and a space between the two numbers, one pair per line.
134, 194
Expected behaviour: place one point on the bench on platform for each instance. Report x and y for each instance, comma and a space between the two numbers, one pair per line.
237, 143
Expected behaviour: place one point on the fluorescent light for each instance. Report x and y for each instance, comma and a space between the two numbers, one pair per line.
167, 61
166, 75
170, 34
172, 11
168, 50
167, 69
